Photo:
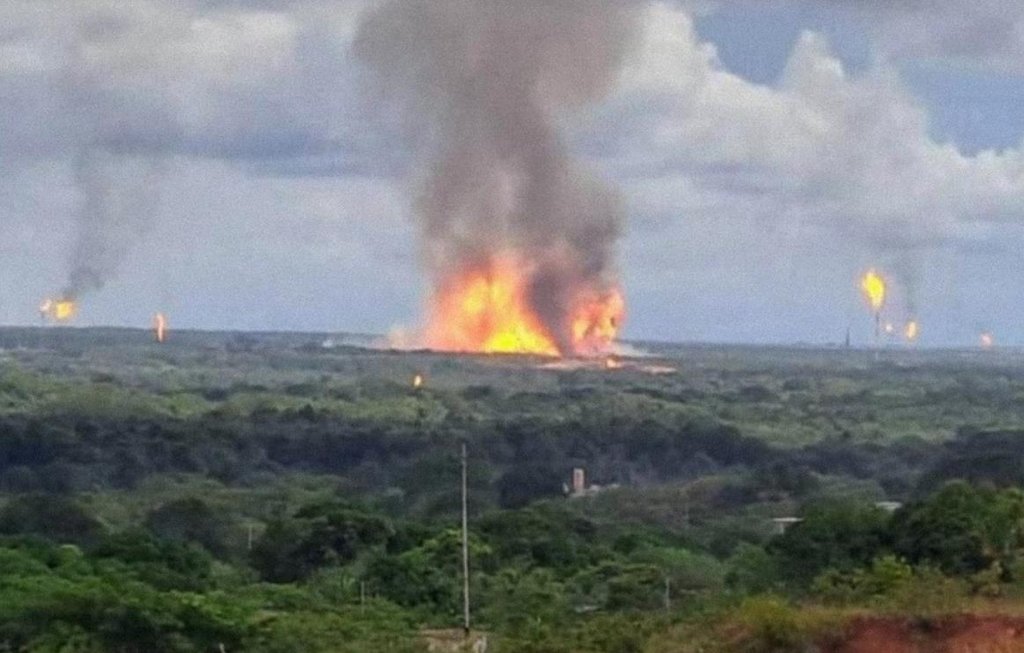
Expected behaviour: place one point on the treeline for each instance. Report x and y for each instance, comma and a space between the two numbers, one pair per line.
545, 577
70, 453
521, 459
178, 581
960, 530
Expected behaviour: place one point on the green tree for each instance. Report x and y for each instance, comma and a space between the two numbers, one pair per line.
962, 529
54, 517
161, 563
427, 575
190, 520
841, 535
752, 569
518, 601
319, 535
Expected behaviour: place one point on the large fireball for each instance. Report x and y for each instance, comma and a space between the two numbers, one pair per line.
489, 310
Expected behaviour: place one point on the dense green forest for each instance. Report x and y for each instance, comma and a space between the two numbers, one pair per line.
296, 492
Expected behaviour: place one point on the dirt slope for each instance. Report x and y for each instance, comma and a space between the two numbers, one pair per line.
953, 634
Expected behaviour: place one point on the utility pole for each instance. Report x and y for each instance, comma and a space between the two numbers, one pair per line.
465, 546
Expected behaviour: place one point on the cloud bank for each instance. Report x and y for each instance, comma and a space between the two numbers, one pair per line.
733, 187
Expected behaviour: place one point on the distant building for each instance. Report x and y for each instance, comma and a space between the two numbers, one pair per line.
579, 481
782, 524
579, 487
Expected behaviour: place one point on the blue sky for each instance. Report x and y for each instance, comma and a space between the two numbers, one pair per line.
766, 154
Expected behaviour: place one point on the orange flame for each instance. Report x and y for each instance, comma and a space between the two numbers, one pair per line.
596, 322
911, 331
487, 310
987, 340
58, 310
160, 327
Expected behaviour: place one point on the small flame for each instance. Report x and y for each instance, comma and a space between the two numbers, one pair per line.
910, 332
873, 286
58, 310
889, 328
611, 363
160, 327
987, 340
417, 381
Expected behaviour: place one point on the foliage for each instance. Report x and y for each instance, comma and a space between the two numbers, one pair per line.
962, 529
54, 517
134, 478
833, 535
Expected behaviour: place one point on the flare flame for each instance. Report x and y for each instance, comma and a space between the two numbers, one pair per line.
160, 327
58, 310
873, 286
910, 332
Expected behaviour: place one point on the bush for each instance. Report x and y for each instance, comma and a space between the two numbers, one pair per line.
54, 517
769, 625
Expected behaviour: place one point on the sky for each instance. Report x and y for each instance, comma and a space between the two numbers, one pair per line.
767, 154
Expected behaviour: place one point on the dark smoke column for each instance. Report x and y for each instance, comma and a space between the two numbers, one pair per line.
483, 85
119, 196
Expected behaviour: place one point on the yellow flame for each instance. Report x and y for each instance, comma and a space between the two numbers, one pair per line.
611, 363
873, 286
987, 340
911, 331
417, 381
58, 310
160, 327
487, 310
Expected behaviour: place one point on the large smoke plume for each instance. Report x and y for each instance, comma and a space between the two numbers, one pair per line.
484, 84
121, 135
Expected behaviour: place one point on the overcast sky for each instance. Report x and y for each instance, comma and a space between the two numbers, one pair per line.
768, 153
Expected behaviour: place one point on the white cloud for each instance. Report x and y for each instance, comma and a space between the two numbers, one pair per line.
850, 154
982, 33
217, 81
745, 198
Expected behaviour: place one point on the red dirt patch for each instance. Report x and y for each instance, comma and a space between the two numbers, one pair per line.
951, 634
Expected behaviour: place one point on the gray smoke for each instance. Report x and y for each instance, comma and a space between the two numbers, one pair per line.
907, 270
118, 197
483, 84
122, 136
